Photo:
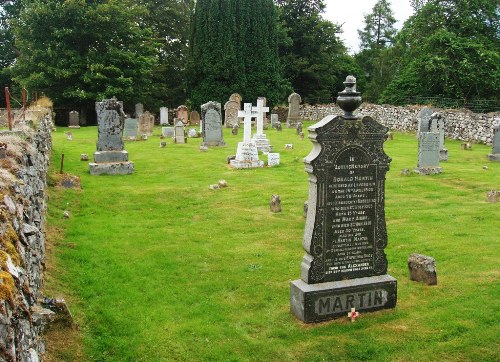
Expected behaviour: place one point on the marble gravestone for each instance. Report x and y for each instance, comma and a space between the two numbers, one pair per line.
194, 118
212, 124
428, 154
437, 125
293, 118
131, 129
74, 119
231, 109
247, 155
182, 113
163, 116
265, 120
423, 118
495, 153
139, 110
146, 123
179, 135
259, 138
345, 265
110, 157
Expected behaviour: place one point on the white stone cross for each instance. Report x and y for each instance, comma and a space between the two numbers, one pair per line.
260, 110
247, 114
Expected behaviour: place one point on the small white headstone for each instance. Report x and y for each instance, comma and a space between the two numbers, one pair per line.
273, 159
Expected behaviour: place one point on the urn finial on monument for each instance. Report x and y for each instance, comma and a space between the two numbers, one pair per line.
349, 100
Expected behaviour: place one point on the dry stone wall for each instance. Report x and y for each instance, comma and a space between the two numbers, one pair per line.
461, 124
23, 174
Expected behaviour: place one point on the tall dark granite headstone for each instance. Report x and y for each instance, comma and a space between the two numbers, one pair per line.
345, 265
212, 124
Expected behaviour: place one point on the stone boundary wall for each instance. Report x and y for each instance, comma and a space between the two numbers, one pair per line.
23, 175
461, 124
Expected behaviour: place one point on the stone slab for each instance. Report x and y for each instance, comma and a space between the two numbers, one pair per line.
325, 301
495, 157
111, 168
110, 156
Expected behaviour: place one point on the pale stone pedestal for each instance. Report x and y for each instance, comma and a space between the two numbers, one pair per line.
428, 170
111, 163
262, 143
247, 156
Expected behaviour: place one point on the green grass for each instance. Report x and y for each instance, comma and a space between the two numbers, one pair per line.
157, 267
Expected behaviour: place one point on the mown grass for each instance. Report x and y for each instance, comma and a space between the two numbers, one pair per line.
157, 267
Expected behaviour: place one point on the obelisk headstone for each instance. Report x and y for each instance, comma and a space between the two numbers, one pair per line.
110, 157
345, 265
293, 110
495, 153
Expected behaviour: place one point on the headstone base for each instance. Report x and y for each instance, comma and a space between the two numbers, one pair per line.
262, 143
495, 157
325, 301
428, 170
292, 122
247, 156
443, 155
74, 127
111, 168
110, 156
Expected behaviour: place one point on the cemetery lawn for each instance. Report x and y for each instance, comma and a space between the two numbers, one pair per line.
157, 267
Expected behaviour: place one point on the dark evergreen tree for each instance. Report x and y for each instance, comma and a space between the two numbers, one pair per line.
314, 58
233, 48
449, 49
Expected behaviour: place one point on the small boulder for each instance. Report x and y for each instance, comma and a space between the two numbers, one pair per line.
422, 268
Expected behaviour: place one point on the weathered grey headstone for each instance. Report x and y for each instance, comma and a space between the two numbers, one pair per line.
110, 157
212, 124
423, 119
192, 133
163, 116
247, 155
274, 120
74, 119
194, 118
235, 129
437, 125
345, 265
275, 203
179, 132
146, 123
428, 154
168, 132
299, 128
259, 138
495, 153
294, 101
139, 110
182, 113
273, 159
131, 128
422, 268
231, 109
278, 126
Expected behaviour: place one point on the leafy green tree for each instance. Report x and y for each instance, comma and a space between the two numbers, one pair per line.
314, 58
376, 55
78, 51
449, 49
234, 48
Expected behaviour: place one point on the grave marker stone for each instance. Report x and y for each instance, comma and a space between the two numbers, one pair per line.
192, 133
182, 113
231, 109
168, 132
146, 123
131, 128
428, 154
247, 155
273, 159
74, 119
423, 119
179, 132
259, 138
110, 157
274, 120
437, 125
236, 97
163, 116
345, 265
495, 153
212, 124
235, 129
299, 128
139, 110
194, 118
294, 101
265, 121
